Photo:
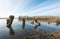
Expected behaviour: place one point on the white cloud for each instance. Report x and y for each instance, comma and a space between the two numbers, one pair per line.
15, 7
47, 10
4, 7
9, 7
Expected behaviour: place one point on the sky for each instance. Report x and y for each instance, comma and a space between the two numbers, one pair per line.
29, 8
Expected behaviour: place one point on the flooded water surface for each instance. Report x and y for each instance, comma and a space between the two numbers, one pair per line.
28, 30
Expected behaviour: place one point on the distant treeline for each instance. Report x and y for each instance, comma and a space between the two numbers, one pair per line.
7, 18
3, 18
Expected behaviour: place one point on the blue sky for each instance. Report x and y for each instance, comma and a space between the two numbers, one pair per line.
29, 8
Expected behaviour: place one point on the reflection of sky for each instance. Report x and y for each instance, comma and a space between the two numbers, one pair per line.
21, 31
29, 7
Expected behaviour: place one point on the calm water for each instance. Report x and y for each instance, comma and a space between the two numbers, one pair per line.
20, 31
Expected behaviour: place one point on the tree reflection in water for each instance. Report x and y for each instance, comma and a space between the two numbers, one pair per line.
57, 24
23, 25
36, 20
11, 31
37, 26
